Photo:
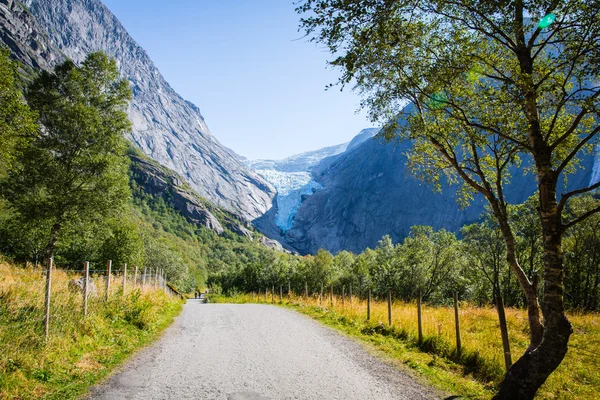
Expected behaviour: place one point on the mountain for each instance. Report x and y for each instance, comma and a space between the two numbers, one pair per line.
367, 192
21, 34
292, 177
166, 127
299, 162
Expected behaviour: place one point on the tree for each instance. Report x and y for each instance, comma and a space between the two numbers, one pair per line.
492, 85
343, 262
124, 243
430, 262
582, 259
383, 271
322, 268
486, 246
159, 254
361, 268
76, 168
17, 121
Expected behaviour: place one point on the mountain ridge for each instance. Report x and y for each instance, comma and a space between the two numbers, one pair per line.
168, 128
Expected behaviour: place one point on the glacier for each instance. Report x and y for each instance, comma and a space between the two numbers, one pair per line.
291, 188
292, 177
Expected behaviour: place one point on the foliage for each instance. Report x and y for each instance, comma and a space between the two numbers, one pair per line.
17, 121
75, 169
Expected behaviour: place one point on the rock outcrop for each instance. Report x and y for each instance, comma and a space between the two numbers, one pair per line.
20, 33
159, 181
166, 127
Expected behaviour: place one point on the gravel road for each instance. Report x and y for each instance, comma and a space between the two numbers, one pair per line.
252, 352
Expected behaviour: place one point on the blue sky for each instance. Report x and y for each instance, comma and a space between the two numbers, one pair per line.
260, 86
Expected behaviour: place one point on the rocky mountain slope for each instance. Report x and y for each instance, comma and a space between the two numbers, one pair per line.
367, 192
21, 34
292, 177
166, 127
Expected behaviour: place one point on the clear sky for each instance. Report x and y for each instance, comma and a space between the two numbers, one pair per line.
259, 85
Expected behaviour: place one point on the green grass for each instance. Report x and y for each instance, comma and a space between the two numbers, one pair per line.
80, 351
476, 373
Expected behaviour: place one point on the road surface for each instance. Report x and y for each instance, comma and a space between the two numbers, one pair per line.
252, 352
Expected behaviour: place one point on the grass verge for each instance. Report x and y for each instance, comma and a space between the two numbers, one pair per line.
477, 371
80, 351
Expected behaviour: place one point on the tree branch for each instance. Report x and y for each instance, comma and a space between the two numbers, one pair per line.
573, 153
580, 218
566, 196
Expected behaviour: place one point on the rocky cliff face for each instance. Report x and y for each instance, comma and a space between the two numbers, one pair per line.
166, 127
159, 181
367, 192
19, 31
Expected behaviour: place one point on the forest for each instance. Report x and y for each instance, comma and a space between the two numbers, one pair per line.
433, 263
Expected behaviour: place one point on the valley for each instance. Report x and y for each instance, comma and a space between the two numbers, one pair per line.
477, 184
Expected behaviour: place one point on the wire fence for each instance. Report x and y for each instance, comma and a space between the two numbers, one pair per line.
460, 325
38, 302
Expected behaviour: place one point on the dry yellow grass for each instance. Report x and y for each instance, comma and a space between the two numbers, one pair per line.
577, 378
80, 350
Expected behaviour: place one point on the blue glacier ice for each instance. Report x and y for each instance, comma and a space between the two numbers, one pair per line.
291, 187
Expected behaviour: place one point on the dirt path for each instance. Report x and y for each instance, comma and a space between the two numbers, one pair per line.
237, 352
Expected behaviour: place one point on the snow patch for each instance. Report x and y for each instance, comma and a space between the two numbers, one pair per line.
291, 188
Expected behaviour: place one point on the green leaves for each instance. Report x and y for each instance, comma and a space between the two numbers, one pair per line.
17, 121
76, 168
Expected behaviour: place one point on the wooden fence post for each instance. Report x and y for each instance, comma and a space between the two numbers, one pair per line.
504, 330
108, 272
86, 284
156, 279
458, 341
331, 296
343, 294
265, 295
273, 294
280, 293
144, 278
306, 290
135, 275
289, 290
321, 295
420, 316
350, 297
124, 278
369, 305
48, 289
389, 307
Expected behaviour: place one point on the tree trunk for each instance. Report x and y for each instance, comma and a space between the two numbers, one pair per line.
49, 250
321, 295
331, 296
531, 371
369, 305
503, 329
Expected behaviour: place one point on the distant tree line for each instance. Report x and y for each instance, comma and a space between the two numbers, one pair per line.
435, 264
